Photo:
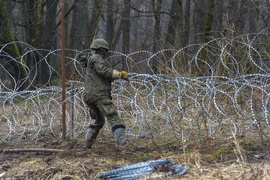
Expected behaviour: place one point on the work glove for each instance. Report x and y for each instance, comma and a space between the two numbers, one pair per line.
124, 75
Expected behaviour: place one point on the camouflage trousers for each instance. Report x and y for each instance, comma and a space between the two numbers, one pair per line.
104, 108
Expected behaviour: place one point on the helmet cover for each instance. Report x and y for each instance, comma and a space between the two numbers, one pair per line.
99, 43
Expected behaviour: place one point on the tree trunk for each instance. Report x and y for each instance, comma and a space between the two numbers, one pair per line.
33, 23
175, 22
175, 30
208, 28
156, 10
218, 20
30, 18
49, 39
78, 25
117, 34
192, 23
126, 31
10, 51
208, 25
186, 16
94, 21
50, 24
39, 25
109, 25
252, 19
77, 34
156, 38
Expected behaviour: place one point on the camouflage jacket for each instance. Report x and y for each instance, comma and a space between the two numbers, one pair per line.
98, 79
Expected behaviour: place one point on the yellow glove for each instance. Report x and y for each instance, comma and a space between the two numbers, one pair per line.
124, 75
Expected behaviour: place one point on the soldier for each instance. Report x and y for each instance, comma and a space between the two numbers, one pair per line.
98, 94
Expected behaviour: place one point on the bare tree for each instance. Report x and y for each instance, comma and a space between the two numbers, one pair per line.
208, 29
49, 38
126, 27
79, 25
174, 22
186, 17
110, 24
156, 7
92, 28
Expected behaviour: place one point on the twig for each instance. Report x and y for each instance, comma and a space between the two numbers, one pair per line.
151, 12
32, 150
85, 171
184, 144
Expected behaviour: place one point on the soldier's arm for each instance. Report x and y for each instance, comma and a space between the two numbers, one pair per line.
103, 70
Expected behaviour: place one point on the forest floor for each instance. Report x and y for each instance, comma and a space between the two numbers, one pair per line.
243, 158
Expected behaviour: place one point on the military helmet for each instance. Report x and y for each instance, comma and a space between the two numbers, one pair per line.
99, 43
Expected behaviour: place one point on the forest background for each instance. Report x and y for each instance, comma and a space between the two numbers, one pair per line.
128, 26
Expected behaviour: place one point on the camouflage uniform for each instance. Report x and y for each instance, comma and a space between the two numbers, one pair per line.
98, 94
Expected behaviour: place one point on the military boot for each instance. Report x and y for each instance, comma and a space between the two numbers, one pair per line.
119, 135
91, 137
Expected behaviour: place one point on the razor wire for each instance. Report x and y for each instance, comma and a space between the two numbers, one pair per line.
152, 169
188, 97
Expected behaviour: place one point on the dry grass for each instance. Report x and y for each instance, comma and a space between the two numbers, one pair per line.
240, 160
232, 171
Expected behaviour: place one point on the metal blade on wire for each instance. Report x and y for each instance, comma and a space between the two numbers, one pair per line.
140, 170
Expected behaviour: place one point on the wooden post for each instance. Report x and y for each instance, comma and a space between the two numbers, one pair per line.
72, 110
63, 69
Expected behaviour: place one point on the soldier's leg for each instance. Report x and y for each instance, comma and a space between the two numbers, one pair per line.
94, 129
110, 112
97, 115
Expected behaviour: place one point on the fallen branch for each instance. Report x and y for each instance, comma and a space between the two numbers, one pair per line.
32, 150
